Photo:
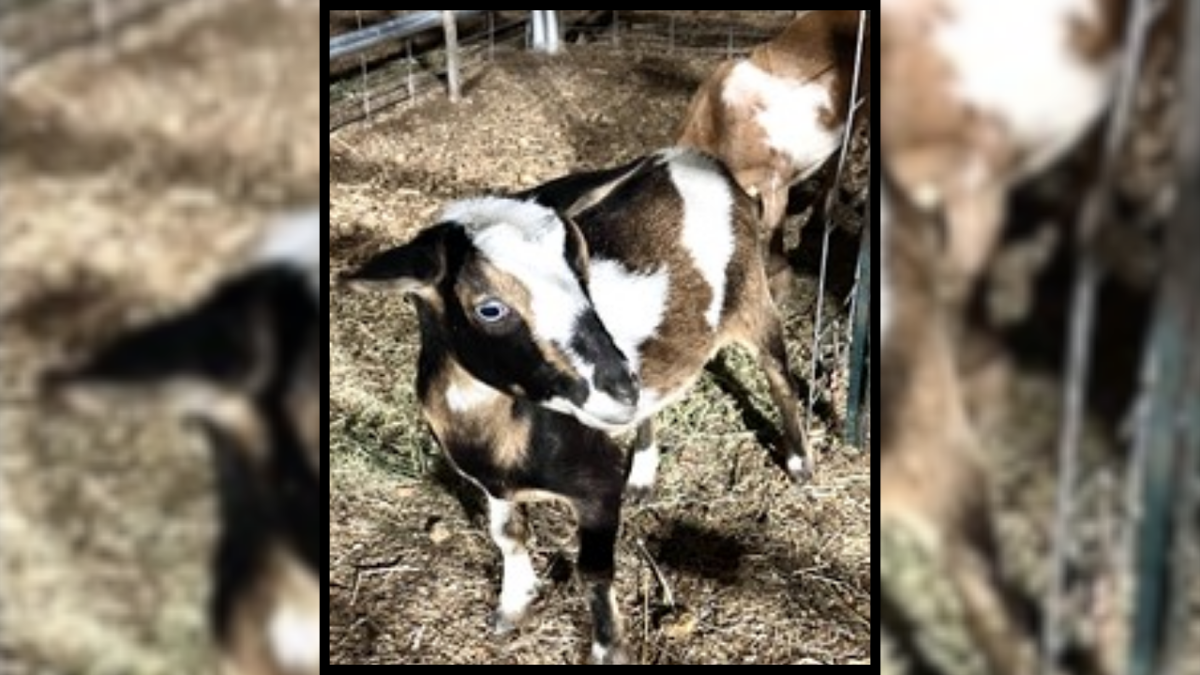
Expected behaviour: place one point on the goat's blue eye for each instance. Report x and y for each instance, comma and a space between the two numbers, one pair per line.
491, 311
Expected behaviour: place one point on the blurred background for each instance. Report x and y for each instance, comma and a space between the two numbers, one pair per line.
143, 144
1093, 455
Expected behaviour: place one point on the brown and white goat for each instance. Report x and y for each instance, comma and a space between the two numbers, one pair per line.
553, 318
978, 96
243, 365
778, 116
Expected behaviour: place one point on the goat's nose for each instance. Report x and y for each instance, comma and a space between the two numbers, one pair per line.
621, 383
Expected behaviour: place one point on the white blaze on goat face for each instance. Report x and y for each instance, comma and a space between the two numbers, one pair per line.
789, 113
707, 224
527, 241
1016, 60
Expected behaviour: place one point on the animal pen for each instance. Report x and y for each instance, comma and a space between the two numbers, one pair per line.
143, 145
729, 563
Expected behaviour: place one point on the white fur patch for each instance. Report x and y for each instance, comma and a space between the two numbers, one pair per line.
519, 585
294, 239
1044, 93
788, 112
599, 652
795, 464
707, 229
527, 240
462, 396
631, 305
295, 637
644, 470
600, 411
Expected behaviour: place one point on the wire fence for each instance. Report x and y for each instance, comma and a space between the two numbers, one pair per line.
411, 62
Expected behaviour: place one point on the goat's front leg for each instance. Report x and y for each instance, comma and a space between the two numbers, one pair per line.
779, 268
975, 218
643, 468
599, 521
519, 585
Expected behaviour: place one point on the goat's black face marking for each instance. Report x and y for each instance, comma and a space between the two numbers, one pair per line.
612, 374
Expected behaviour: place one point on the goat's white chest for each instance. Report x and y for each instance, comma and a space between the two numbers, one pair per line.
1015, 60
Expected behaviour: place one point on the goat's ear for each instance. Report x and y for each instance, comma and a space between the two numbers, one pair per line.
576, 248
409, 268
222, 343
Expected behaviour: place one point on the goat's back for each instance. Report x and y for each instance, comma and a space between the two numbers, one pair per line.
675, 271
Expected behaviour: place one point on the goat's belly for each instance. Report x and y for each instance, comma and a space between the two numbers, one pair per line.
1016, 62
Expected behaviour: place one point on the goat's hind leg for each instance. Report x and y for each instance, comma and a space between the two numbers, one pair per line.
793, 455
519, 585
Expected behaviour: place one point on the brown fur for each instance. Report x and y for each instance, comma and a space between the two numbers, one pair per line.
492, 423
303, 406
933, 482
1096, 40
818, 46
947, 154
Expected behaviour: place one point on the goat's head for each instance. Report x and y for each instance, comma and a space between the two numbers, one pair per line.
503, 285
243, 363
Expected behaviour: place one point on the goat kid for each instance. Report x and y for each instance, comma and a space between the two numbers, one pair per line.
556, 317
243, 365
778, 116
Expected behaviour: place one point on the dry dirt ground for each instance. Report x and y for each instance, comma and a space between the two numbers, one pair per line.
128, 176
753, 569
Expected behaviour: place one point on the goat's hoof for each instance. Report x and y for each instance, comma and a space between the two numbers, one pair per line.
800, 469
639, 495
503, 624
614, 655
